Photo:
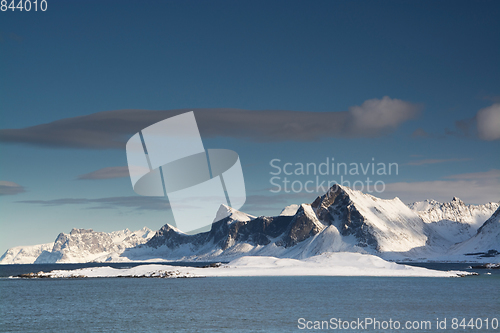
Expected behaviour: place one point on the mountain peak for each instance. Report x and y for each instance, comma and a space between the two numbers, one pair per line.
290, 210
226, 211
76, 231
329, 197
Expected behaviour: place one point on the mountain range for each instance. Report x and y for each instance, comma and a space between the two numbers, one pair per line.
342, 220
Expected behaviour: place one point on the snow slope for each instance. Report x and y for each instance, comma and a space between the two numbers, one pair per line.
487, 238
331, 264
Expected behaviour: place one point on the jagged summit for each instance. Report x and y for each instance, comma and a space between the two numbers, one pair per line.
455, 210
453, 221
76, 231
290, 210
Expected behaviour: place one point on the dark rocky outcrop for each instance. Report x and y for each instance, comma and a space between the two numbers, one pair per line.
225, 233
336, 208
300, 228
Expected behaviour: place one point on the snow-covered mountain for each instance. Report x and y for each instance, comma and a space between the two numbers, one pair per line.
454, 221
342, 220
80, 245
383, 225
24, 254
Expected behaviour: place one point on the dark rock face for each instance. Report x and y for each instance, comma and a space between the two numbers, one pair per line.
225, 233
336, 208
301, 227
171, 238
258, 231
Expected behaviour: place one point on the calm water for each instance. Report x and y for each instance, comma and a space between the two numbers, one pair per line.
239, 304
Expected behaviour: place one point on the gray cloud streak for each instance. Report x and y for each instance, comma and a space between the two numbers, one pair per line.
107, 173
477, 188
138, 203
436, 161
10, 188
111, 129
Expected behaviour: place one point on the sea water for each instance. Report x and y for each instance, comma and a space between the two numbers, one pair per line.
249, 304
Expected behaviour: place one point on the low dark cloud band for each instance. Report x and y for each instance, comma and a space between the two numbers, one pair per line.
111, 129
134, 202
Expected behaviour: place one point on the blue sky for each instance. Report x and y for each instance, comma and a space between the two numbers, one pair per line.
332, 62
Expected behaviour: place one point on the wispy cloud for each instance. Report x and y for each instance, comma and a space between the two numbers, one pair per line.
420, 133
485, 125
134, 202
492, 174
436, 161
111, 129
107, 173
478, 188
488, 122
264, 203
10, 188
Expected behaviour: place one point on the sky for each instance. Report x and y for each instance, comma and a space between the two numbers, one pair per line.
407, 83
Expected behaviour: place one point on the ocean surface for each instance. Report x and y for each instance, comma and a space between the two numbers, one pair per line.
248, 304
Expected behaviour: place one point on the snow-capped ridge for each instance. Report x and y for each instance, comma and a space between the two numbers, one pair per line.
454, 221
79, 245
289, 210
234, 214
455, 210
